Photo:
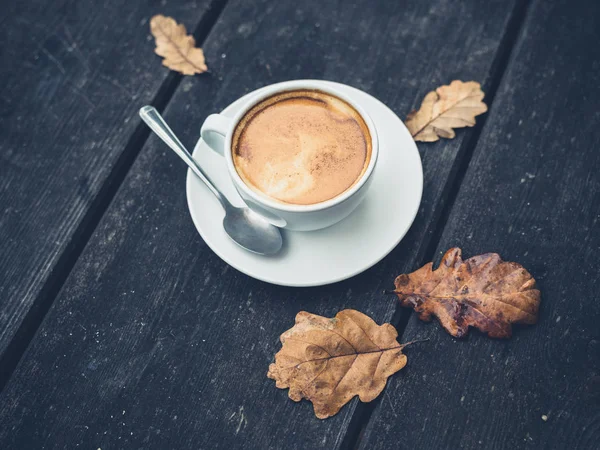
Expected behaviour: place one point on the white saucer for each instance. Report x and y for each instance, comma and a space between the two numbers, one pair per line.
341, 251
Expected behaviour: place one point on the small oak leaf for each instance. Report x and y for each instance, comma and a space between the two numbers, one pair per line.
176, 47
482, 292
446, 108
329, 361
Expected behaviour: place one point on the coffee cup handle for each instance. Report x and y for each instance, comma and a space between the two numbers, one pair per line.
213, 132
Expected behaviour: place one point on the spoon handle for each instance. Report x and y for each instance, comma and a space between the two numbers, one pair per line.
154, 120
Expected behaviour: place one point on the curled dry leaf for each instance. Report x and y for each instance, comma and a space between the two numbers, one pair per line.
329, 361
448, 107
176, 47
483, 292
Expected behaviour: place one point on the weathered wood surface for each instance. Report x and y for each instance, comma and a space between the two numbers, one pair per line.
532, 194
72, 75
154, 342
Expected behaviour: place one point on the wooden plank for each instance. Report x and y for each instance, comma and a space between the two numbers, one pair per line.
531, 193
154, 341
73, 74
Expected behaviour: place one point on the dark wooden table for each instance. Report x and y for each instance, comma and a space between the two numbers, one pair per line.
120, 328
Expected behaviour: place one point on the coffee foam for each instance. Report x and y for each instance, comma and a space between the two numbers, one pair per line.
301, 147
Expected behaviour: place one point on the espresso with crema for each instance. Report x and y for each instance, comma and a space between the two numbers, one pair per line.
301, 147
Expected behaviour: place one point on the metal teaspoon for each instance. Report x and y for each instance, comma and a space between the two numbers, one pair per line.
242, 225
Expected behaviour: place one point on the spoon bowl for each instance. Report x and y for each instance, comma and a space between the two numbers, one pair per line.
246, 228
252, 232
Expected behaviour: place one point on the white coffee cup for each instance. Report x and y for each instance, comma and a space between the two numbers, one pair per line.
217, 132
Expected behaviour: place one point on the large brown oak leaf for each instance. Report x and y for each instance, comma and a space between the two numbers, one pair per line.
329, 361
483, 292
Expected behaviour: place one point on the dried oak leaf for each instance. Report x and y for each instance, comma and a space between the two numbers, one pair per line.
483, 292
448, 107
329, 361
178, 49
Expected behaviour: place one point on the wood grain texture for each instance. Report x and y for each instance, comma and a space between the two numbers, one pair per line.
154, 342
73, 74
532, 194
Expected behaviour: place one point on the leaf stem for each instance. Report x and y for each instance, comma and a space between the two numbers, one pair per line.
416, 341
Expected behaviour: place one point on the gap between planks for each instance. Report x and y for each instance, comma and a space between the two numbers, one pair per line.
78, 241
401, 316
